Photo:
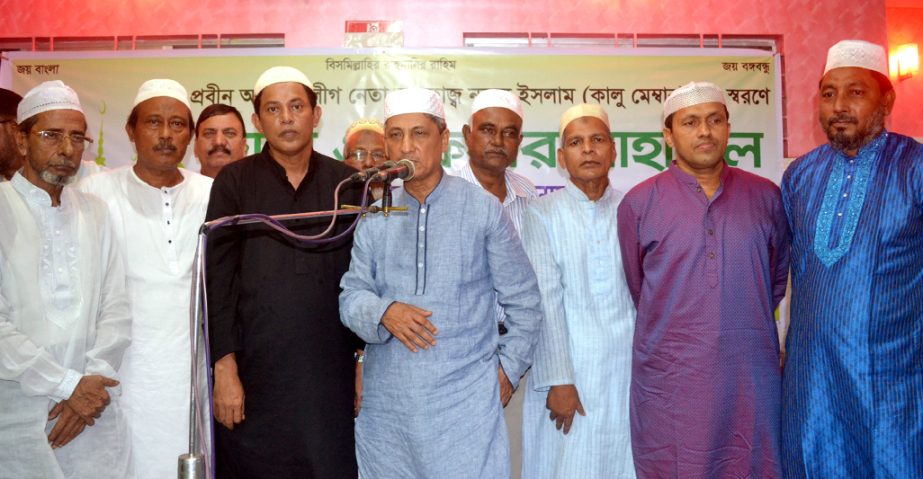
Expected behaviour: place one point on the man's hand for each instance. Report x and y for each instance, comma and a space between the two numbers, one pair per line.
409, 325
506, 387
69, 425
229, 392
90, 397
357, 399
563, 401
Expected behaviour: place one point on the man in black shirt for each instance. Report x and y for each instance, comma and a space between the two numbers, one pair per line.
283, 361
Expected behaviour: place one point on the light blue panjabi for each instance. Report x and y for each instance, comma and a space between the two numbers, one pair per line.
586, 338
436, 413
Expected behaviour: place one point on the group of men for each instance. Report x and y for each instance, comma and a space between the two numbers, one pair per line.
631, 335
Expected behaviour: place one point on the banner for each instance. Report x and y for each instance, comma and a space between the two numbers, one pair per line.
631, 85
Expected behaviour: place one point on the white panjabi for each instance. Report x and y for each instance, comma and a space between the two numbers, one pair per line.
691, 94
413, 100
162, 87
583, 110
857, 53
493, 98
47, 96
280, 74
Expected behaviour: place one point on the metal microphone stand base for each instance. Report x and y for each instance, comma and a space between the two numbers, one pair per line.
191, 466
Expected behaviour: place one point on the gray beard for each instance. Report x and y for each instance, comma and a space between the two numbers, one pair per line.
53, 179
843, 142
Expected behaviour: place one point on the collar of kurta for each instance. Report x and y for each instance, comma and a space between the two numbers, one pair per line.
870, 151
512, 186
433, 195
690, 180
279, 171
580, 196
32, 194
169, 189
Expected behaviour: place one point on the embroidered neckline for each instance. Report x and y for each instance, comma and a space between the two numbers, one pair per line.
865, 160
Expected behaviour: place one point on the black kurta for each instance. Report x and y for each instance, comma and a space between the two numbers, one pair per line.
274, 303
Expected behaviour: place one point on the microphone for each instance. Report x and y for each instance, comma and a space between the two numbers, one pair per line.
362, 175
403, 170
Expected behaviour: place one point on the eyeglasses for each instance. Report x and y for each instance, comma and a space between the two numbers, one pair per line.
54, 138
359, 154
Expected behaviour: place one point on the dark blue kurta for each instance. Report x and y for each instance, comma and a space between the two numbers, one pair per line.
853, 382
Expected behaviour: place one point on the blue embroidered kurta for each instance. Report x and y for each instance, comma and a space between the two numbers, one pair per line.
585, 341
436, 413
853, 382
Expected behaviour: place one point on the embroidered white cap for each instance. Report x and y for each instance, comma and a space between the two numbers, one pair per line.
47, 96
162, 87
691, 94
857, 53
365, 124
580, 111
493, 98
280, 74
413, 100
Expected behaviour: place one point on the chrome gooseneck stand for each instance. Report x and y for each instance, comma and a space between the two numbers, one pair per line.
199, 462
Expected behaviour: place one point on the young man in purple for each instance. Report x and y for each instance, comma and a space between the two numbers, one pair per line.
705, 252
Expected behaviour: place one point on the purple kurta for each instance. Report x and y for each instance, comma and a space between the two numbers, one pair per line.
705, 276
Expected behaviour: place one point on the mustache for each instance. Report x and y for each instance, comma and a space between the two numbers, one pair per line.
496, 152
842, 119
219, 148
165, 146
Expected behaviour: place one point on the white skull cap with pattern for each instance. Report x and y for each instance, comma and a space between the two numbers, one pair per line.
857, 53
280, 74
47, 96
493, 98
691, 94
365, 124
580, 111
413, 100
162, 87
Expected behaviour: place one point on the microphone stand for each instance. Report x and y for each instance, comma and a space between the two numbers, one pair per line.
194, 464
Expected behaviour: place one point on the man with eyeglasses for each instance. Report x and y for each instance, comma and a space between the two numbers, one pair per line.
64, 314
364, 148
158, 208
493, 135
220, 138
10, 159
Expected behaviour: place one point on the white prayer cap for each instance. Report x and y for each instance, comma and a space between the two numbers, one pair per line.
583, 110
364, 124
47, 96
857, 53
413, 100
162, 87
691, 94
492, 98
281, 74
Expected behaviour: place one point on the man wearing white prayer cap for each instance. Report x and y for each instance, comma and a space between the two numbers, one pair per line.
421, 290
493, 135
364, 148
64, 314
284, 363
854, 367
583, 358
705, 251
158, 207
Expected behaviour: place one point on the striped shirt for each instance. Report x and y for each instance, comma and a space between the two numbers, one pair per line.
519, 192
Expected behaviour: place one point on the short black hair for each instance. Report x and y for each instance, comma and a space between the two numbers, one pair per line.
668, 121
9, 100
312, 98
219, 109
